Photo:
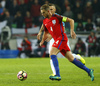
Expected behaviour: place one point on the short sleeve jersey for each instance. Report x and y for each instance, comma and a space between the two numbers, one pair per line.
54, 26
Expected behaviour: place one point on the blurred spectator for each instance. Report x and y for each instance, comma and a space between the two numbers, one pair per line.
18, 19
81, 2
68, 12
97, 22
3, 3
41, 49
5, 37
77, 10
13, 8
35, 11
46, 2
80, 47
8, 3
96, 6
26, 47
97, 51
28, 20
80, 27
89, 25
66, 4
79, 17
23, 8
6, 16
1, 9
88, 11
8, 19
18, 1
2, 16
91, 40
25, 1
29, 5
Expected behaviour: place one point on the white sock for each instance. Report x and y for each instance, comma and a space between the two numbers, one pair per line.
76, 56
52, 67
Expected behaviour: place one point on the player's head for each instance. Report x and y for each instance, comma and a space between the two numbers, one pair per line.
52, 8
45, 10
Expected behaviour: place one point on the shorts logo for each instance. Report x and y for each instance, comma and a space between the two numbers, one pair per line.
54, 22
57, 42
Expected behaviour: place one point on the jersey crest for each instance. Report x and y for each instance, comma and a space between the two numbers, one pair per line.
54, 22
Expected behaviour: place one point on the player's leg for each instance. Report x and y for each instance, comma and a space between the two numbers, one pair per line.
79, 64
50, 44
52, 67
77, 56
51, 63
54, 51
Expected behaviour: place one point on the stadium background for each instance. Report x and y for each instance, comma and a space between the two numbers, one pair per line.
38, 69
88, 9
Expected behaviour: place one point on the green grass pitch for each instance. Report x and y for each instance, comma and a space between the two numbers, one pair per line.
38, 70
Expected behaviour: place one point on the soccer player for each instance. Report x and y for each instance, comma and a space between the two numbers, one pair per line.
78, 57
53, 25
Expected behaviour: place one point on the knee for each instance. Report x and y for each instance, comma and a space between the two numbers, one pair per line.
70, 57
51, 54
71, 60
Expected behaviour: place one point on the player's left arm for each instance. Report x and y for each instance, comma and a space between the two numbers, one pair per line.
64, 28
71, 21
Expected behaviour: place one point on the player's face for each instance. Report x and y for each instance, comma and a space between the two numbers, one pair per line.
45, 13
52, 9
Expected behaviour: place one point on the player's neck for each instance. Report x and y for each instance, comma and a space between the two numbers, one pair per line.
50, 15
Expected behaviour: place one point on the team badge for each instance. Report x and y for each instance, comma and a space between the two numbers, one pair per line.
54, 22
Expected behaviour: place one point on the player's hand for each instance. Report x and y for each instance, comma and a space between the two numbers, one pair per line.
41, 43
38, 36
73, 35
25, 39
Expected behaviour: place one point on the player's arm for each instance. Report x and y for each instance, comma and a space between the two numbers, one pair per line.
71, 21
44, 37
64, 28
40, 32
49, 37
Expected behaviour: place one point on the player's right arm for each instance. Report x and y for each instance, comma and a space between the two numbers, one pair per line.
44, 37
40, 32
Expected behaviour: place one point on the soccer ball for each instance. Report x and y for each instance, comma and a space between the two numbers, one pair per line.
22, 75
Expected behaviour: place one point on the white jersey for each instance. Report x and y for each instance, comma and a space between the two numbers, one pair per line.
50, 46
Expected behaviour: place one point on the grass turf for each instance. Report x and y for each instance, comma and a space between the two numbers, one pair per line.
38, 70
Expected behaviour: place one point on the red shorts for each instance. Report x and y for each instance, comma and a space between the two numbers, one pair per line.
61, 45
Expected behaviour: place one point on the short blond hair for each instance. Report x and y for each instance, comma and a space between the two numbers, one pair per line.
45, 7
50, 4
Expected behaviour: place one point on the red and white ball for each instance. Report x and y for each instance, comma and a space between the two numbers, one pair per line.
22, 75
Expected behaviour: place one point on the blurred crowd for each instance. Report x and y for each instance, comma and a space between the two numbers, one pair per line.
25, 13
93, 45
